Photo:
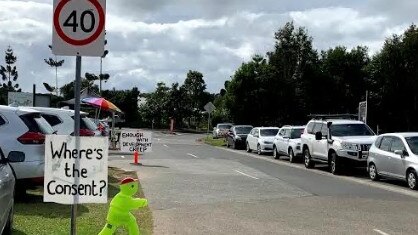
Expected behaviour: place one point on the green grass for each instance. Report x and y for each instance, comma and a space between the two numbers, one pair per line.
215, 142
33, 216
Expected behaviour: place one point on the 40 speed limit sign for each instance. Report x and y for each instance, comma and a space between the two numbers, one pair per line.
78, 27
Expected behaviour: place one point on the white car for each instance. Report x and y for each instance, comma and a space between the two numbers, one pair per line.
261, 139
24, 129
62, 121
395, 155
221, 130
336, 142
7, 188
287, 142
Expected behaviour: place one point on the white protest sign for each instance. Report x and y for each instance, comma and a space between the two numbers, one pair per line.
67, 182
135, 139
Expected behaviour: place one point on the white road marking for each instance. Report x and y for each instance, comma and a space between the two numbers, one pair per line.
165, 145
192, 155
367, 182
380, 232
122, 156
158, 139
242, 173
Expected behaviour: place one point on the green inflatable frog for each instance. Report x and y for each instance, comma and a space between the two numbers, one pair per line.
119, 212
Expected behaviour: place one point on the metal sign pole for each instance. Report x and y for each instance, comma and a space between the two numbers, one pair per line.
77, 85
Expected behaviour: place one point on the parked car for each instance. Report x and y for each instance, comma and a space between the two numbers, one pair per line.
261, 139
287, 142
7, 187
337, 142
237, 136
221, 130
62, 121
24, 129
395, 155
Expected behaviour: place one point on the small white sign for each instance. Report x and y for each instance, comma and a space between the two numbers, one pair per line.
20, 98
135, 139
75, 175
78, 27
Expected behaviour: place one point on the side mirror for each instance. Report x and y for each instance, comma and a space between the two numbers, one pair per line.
402, 153
15, 156
318, 135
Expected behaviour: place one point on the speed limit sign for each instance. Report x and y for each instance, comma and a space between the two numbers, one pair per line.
78, 27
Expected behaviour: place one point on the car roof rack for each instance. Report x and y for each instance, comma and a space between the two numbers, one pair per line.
333, 116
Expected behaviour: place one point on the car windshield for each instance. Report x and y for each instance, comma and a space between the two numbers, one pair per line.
243, 130
224, 127
413, 143
296, 133
268, 132
351, 130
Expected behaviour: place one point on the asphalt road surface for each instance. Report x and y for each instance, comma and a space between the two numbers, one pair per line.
195, 188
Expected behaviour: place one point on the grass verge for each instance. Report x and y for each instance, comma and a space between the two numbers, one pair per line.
215, 142
33, 216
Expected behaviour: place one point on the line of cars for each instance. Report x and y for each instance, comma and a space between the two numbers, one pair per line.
23, 129
339, 141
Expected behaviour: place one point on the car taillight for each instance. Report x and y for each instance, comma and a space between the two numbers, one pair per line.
32, 138
86, 132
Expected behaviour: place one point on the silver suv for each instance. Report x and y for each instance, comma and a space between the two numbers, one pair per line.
336, 142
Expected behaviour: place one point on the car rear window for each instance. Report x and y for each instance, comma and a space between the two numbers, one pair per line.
51, 119
86, 123
36, 123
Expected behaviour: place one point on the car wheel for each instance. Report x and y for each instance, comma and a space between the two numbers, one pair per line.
258, 149
275, 153
291, 156
335, 164
373, 172
412, 179
9, 224
308, 160
248, 147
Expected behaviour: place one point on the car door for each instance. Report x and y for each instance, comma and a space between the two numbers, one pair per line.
382, 155
254, 139
6, 191
285, 141
396, 162
279, 140
250, 137
316, 144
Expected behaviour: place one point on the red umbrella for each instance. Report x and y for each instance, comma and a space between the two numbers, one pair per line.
101, 103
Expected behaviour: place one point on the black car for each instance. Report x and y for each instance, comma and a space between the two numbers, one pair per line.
237, 136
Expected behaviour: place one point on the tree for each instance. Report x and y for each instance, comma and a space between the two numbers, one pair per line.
67, 91
127, 101
196, 95
9, 72
54, 64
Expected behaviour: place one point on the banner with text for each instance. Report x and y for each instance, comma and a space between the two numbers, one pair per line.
135, 139
75, 175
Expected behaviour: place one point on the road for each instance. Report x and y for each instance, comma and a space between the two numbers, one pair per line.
194, 188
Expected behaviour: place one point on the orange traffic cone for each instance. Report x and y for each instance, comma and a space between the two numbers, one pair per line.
136, 158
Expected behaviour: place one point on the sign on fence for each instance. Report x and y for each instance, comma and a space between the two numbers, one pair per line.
69, 182
135, 139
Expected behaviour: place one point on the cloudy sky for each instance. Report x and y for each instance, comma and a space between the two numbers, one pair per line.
160, 40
